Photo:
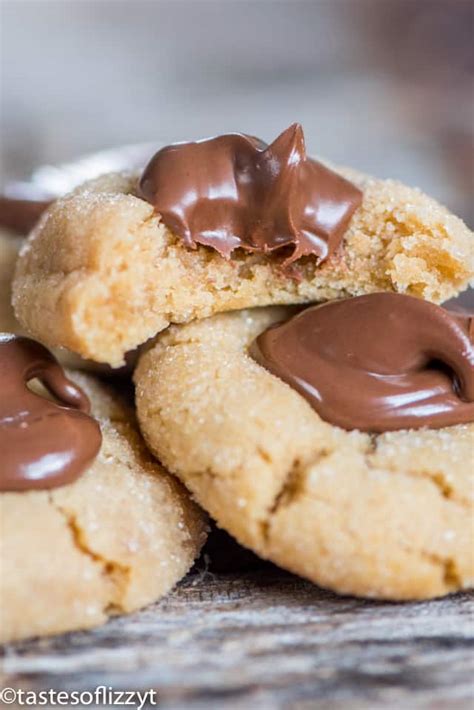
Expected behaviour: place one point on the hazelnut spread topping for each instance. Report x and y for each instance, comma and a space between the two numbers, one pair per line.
42, 444
235, 191
376, 363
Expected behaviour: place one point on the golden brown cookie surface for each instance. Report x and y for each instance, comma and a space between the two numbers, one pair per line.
118, 538
101, 274
386, 516
10, 245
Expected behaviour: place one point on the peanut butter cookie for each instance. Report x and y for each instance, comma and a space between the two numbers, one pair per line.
103, 273
385, 515
115, 539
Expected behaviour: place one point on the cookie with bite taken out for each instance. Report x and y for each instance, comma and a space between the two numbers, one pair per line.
224, 224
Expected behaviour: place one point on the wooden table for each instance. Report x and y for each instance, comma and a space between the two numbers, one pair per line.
256, 637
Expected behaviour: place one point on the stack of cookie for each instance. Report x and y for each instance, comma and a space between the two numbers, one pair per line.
294, 372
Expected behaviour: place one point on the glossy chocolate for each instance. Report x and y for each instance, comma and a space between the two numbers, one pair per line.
42, 444
377, 363
235, 191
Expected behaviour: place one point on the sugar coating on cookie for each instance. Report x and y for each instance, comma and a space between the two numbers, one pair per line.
116, 539
387, 516
101, 274
10, 246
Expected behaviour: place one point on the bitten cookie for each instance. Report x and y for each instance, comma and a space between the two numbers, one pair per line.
102, 273
117, 538
379, 515
10, 245
23, 206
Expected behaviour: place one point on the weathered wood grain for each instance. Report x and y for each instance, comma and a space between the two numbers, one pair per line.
264, 639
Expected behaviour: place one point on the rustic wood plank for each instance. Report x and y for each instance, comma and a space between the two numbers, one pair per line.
261, 638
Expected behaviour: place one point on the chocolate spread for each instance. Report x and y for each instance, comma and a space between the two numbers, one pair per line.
43, 444
377, 363
235, 191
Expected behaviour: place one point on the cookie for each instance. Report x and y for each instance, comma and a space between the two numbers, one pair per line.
10, 245
21, 207
102, 273
384, 515
116, 539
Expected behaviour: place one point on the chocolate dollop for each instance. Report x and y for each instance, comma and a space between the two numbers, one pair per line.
376, 363
235, 191
42, 444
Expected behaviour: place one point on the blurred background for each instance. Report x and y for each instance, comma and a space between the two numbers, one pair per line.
383, 85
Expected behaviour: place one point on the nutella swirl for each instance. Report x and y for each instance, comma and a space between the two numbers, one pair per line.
377, 363
42, 444
235, 191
